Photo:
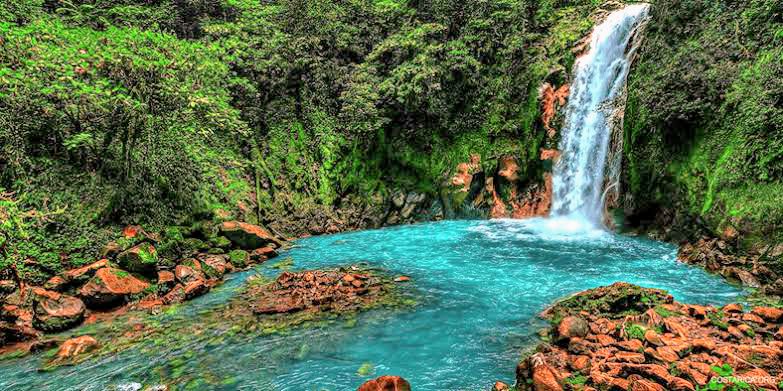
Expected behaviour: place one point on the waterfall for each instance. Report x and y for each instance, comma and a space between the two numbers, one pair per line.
597, 91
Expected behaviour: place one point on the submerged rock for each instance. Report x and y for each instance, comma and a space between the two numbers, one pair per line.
386, 383
76, 346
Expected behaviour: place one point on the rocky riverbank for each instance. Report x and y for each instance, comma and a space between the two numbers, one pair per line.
626, 337
140, 271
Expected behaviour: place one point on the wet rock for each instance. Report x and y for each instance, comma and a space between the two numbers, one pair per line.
54, 311
261, 255
195, 288
76, 346
402, 279
56, 283
386, 383
142, 258
619, 297
215, 266
111, 286
500, 386
248, 236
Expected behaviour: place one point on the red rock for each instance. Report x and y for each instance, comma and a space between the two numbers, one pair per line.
667, 354
545, 378
195, 288
111, 286
645, 385
386, 383
749, 317
402, 279
82, 274
262, 254
735, 332
175, 295
580, 362
56, 283
248, 236
76, 346
631, 345
55, 312
141, 258
500, 386
652, 338
680, 384
732, 308
760, 378
186, 273
676, 327
779, 334
630, 357
695, 375
769, 314
605, 340
704, 344
572, 326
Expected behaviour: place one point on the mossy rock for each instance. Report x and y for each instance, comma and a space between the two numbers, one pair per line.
239, 258
613, 301
142, 258
220, 241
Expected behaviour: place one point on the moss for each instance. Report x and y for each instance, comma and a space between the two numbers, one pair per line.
239, 258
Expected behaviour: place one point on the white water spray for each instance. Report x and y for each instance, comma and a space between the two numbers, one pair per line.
599, 79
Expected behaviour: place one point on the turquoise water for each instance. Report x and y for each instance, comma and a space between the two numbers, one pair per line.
480, 285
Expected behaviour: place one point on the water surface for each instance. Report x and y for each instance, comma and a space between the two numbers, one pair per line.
480, 285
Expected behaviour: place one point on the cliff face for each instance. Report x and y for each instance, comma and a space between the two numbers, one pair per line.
704, 122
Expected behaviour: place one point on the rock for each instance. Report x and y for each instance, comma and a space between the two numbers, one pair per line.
732, 308
142, 258
613, 299
500, 386
175, 295
55, 312
402, 279
185, 273
248, 236
111, 250
645, 385
76, 346
83, 274
239, 258
680, 384
166, 281
262, 254
386, 383
751, 317
110, 286
572, 326
398, 199
775, 288
744, 276
195, 288
215, 266
652, 338
630, 357
545, 378
56, 283
769, 314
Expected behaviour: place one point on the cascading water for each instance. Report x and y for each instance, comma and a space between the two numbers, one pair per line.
596, 93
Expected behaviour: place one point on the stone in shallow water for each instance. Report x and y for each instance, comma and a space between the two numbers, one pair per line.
55, 311
111, 286
386, 383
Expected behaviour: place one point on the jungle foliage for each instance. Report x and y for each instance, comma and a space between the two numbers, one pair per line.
164, 112
704, 124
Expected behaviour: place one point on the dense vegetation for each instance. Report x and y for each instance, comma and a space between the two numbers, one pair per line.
704, 123
166, 112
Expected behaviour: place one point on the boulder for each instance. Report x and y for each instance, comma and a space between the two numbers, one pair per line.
500, 386
572, 326
53, 311
142, 258
83, 274
56, 283
175, 295
195, 288
111, 286
386, 383
215, 266
248, 236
